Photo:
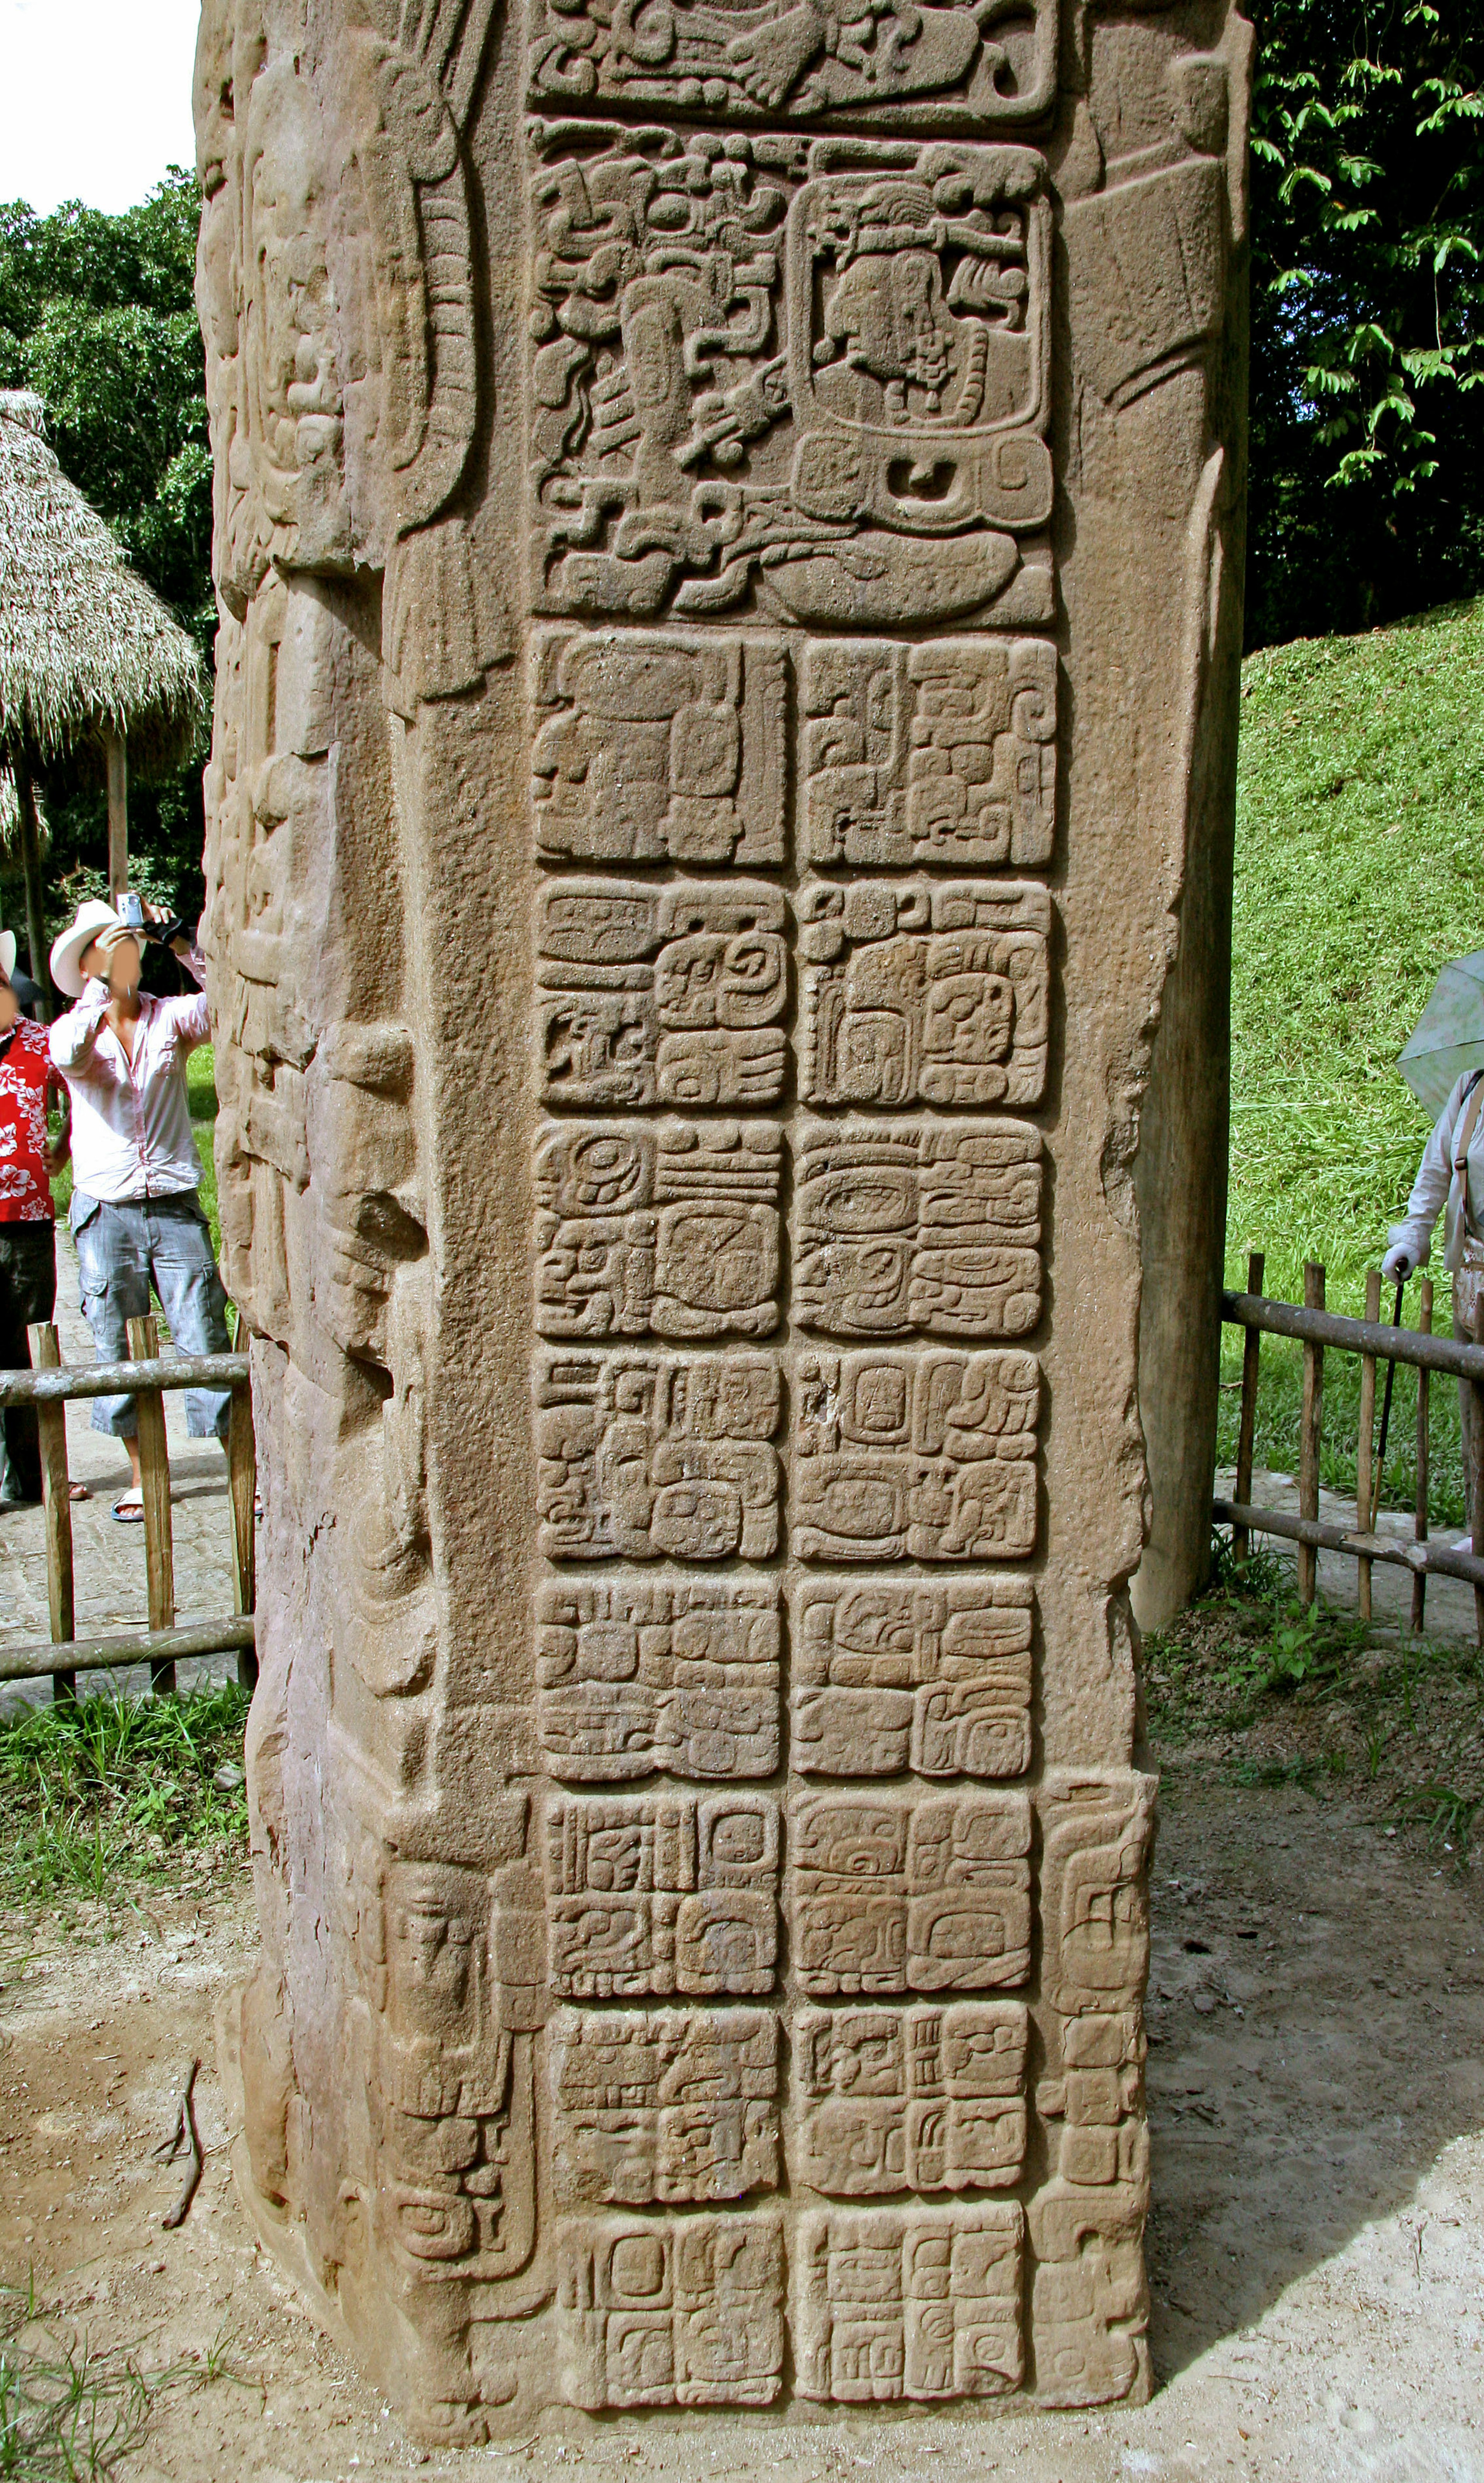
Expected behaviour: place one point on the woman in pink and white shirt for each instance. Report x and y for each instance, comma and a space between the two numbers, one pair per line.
136, 1217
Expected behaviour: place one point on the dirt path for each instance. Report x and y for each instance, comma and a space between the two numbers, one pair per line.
1317, 2078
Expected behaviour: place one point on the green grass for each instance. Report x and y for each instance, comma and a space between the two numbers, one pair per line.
106, 1789
1359, 872
68, 2412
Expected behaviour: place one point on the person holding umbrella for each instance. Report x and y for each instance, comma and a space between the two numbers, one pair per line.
1450, 1178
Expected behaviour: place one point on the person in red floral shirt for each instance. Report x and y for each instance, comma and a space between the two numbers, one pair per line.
28, 1242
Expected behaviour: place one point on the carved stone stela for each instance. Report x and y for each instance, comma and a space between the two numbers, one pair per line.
727, 524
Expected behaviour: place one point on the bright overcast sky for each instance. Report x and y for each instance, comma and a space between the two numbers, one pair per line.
94, 98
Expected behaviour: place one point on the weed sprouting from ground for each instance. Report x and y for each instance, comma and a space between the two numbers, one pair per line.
1253, 1685
1449, 1817
69, 2414
100, 1791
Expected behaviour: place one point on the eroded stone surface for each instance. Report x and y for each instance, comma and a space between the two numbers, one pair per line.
727, 529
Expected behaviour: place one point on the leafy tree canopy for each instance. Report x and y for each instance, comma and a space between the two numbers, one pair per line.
1366, 485
1366, 495
96, 314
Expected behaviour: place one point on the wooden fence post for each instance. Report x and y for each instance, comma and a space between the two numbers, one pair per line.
1310, 1433
1247, 1428
1419, 1519
57, 1501
242, 1482
1365, 1480
1474, 1481
154, 1476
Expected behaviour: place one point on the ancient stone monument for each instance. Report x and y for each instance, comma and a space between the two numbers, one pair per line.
728, 538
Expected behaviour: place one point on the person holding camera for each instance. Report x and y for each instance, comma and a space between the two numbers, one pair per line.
136, 1217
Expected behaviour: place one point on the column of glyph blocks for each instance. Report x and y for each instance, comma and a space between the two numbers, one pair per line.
794, 803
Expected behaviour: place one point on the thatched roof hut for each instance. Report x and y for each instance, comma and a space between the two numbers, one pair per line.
86, 651
92, 667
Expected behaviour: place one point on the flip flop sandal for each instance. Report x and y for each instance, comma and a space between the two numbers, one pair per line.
78, 1491
129, 1509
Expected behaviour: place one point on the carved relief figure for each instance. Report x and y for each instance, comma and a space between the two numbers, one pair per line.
678, 1097
820, 396
990, 64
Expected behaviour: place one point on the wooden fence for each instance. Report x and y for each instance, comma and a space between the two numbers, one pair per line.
146, 1376
1321, 1330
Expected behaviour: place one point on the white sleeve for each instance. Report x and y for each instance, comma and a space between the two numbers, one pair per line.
1435, 1174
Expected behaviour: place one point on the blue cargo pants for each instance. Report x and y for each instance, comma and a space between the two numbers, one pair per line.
121, 1252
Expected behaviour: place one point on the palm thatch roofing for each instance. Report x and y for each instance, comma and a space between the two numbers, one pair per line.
85, 646
9, 813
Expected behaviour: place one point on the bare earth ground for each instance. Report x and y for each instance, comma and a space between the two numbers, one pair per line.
1318, 2245
1317, 2089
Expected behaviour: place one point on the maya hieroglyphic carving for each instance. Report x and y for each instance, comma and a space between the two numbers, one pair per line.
991, 66
725, 525
810, 379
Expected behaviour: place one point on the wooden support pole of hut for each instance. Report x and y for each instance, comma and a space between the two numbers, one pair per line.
57, 1504
1312, 1425
1419, 1517
116, 750
1365, 1492
154, 1481
31, 874
1247, 1428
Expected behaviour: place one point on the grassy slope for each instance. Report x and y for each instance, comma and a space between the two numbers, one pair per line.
1359, 872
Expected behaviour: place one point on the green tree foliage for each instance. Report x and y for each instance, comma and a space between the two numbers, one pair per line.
96, 314
1366, 486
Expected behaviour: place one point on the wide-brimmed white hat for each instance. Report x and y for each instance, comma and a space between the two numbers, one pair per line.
66, 956
6, 955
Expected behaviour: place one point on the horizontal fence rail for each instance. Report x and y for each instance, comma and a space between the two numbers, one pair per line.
125, 1378
119, 1648
49, 1385
1423, 1560
1354, 1336
1319, 1329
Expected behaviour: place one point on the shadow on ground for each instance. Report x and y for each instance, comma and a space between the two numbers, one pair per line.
1317, 2026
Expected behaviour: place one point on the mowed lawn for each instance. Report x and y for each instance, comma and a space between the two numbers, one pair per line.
1360, 871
